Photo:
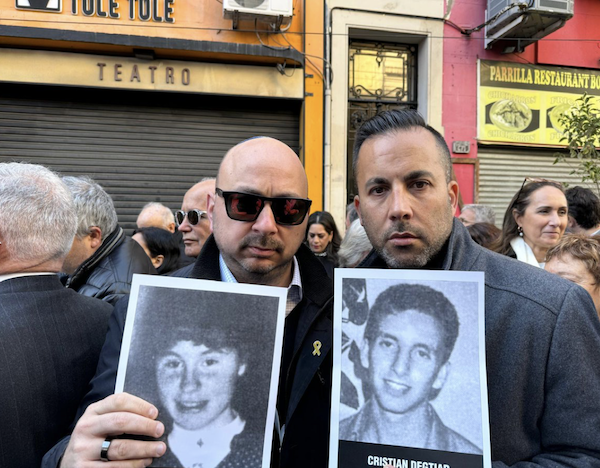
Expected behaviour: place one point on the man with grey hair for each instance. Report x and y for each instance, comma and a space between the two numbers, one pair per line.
102, 261
50, 335
156, 214
471, 214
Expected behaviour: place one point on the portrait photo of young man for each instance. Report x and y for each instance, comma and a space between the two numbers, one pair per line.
406, 360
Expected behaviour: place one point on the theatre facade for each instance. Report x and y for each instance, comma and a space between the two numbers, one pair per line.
146, 96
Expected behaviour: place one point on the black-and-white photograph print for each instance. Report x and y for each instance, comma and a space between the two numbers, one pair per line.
409, 368
207, 355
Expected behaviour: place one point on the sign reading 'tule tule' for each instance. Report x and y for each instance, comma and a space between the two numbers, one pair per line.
158, 11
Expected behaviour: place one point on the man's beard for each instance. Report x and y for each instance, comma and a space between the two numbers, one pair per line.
265, 242
420, 258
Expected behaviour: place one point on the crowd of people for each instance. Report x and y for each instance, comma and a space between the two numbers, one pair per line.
66, 268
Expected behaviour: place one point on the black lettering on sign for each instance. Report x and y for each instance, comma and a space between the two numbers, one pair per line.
112, 7
144, 9
135, 74
169, 11
132, 9
87, 7
185, 76
152, 69
99, 11
101, 69
169, 78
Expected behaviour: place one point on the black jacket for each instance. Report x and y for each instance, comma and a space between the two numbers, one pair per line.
108, 272
308, 403
50, 340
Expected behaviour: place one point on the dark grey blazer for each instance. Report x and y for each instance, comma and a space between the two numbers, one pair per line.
50, 340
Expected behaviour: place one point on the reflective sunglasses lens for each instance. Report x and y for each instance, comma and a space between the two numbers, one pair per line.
179, 216
193, 217
243, 207
290, 211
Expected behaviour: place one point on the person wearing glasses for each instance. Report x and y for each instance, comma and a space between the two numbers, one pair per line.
192, 221
258, 215
535, 220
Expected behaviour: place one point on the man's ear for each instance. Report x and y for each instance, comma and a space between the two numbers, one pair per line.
210, 206
357, 206
453, 194
95, 234
364, 354
158, 261
171, 227
442, 375
571, 223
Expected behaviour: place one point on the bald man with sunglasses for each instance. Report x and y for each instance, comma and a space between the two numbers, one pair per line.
258, 214
192, 221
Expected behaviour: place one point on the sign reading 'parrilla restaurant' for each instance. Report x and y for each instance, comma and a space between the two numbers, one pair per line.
522, 103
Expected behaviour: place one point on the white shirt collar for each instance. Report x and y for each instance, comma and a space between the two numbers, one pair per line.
205, 447
19, 275
294, 288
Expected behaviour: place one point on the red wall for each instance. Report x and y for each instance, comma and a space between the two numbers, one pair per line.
572, 45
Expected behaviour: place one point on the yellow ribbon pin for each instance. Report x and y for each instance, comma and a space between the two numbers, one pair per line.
317, 348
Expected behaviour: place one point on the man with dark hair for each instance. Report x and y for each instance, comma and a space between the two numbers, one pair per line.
584, 211
50, 336
409, 337
542, 332
258, 214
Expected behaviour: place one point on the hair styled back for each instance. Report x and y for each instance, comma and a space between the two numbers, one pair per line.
93, 205
325, 219
483, 213
580, 247
37, 216
518, 204
399, 120
161, 242
355, 246
402, 297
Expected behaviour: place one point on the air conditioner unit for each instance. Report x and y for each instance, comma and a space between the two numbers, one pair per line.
524, 22
275, 11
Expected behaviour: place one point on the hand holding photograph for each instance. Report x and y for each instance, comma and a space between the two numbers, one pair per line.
207, 355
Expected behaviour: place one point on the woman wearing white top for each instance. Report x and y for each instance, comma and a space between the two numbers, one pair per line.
535, 220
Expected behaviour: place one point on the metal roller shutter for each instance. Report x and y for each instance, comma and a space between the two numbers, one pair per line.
502, 171
140, 147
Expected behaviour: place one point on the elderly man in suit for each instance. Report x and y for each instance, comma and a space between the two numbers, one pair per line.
50, 336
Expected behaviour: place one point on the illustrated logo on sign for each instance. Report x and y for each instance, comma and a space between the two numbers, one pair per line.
40, 5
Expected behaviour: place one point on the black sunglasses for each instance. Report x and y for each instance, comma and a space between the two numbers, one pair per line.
287, 211
193, 216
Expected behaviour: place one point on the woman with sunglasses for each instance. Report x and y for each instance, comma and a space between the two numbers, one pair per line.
535, 220
323, 238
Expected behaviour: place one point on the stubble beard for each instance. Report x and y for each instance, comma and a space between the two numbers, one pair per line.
249, 271
404, 257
